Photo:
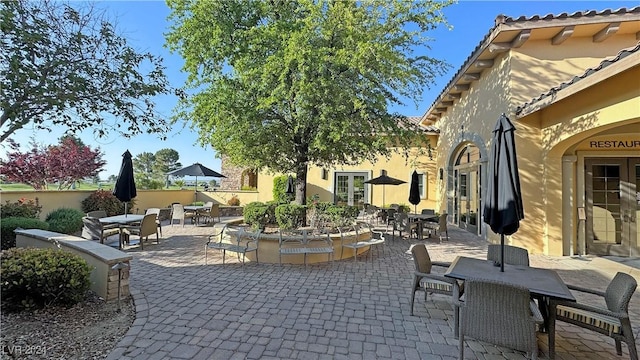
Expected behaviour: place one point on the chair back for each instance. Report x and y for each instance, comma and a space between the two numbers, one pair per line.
148, 225
619, 292
403, 222
208, 204
428, 212
391, 215
214, 210
498, 313
421, 258
512, 254
97, 214
155, 211
442, 223
177, 211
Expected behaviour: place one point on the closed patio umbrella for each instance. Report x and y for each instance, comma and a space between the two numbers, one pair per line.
196, 170
383, 180
125, 187
291, 187
414, 190
503, 206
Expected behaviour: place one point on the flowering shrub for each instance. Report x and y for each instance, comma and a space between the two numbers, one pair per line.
24, 207
234, 201
104, 200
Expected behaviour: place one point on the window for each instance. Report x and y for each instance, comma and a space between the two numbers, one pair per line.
422, 184
325, 174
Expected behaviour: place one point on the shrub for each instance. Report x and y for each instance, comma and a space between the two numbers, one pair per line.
28, 208
290, 216
34, 278
342, 215
8, 225
105, 200
234, 201
65, 220
256, 214
280, 190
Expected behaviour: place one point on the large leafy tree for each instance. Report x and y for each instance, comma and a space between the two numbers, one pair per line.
65, 64
143, 166
285, 84
62, 164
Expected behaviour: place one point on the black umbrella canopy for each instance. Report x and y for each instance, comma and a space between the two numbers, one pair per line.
125, 187
196, 170
384, 179
503, 206
291, 186
414, 190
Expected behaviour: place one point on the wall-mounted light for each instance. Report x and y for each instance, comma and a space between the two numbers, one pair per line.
441, 173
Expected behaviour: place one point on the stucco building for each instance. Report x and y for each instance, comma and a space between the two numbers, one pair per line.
570, 83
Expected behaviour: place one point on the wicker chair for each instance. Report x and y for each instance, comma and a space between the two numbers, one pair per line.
500, 314
430, 283
612, 320
439, 227
512, 255
178, 213
402, 223
146, 227
156, 212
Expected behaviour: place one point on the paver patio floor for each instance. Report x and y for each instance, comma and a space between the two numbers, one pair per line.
347, 310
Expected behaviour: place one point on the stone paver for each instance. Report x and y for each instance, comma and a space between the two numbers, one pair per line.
186, 310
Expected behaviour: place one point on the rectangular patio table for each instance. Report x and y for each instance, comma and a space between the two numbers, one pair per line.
543, 283
121, 220
196, 209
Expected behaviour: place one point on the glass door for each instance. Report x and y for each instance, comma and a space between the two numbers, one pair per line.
468, 199
350, 189
613, 206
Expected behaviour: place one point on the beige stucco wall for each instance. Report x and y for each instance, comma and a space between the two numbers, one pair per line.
397, 166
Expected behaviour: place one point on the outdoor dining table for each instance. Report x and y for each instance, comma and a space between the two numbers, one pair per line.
542, 283
421, 219
121, 220
196, 209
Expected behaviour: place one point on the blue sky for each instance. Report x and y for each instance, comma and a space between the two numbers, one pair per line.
145, 22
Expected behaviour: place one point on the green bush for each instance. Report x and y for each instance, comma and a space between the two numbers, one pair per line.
8, 225
105, 200
256, 214
280, 190
342, 215
290, 216
28, 208
35, 278
65, 220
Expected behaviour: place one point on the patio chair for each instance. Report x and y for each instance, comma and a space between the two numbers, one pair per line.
612, 319
211, 213
513, 255
156, 212
402, 223
500, 314
93, 229
147, 226
245, 242
428, 282
178, 213
377, 239
353, 245
439, 228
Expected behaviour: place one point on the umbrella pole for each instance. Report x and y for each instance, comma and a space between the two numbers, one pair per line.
501, 252
125, 209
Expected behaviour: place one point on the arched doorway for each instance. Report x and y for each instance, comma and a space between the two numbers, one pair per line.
467, 197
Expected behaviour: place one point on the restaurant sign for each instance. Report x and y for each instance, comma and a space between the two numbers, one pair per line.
620, 142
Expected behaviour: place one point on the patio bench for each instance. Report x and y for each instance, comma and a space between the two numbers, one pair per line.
244, 243
303, 242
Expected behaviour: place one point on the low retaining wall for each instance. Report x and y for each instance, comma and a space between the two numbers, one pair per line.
268, 249
104, 280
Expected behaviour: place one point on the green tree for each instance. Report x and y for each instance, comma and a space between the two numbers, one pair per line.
143, 168
64, 64
285, 84
166, 161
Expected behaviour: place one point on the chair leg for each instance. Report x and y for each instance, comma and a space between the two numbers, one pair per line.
628, 335
461, 346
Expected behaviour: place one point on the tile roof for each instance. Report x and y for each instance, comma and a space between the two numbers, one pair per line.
417, 120
590, 71
507, 20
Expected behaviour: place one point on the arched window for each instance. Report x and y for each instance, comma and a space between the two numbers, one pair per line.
467, 186
249, 180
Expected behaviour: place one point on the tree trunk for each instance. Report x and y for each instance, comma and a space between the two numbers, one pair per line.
301, 184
